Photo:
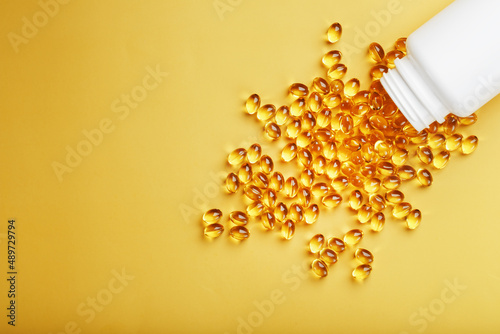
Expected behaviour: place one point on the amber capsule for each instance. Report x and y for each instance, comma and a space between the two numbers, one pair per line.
394, 196
441, 159
288, 229
360, 109
239, 233
391, 182
298, 107
424, 177
407, 172
346, 123
269, 198
328, 255
337, 71
237, 156
356, 199
391, 56
336, 245
293, 128
454, 142
376, 101
413, 219
401, 141
331, 58
372, 185
363, 255
315, 102
213, 230
252, 192
272, 130
425, 155
238, 218
351, 87
365, 213
399, 120
282, 115
347, 168
296, 212
401, 210
305, 157
232, 183
304, 196
377, 202
388, 110
316, 148
308, 121
268, 220
400, 156
340, 183
357, 158
320, 189
368, 153
307, 178
298, 90
333, 169
291, 187
319, 268
276, 182
357, 180
362, 271
324, 118
321, 86
252, 104
317, 243
324, 134
469, 144
433, 127
311, 214
304, 139
254, 153
280, 211
334, 32
331, 200
260, 180
450, 124
212, 216
400, 44
330, 150
377, 71
255, 208
386, 168
353, 237
266, 164
437, 141
377, 222
332, 100
376, 52
383, 149
468, 120
378, 122
289, 152
266, 112
245, 173
420, 138
368, 170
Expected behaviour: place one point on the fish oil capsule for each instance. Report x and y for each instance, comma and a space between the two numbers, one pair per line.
280, 211
212, 216
378, 122
277, 182
305, 158
232, 183
425, 155
346, 123
399, 120
254, 153
420, 138
377, 222
383, 149
340, 183
375, 136
308, 121
377, 202
291, 187
386, 168
304, 196
334, 32
368, 152
401, 210
357, 158
213, 230
289, 152
376, 52
337, 72
311, 214
328, 255
407, 172
433, 127
296, 212
252, 192
413, 219
347, 168
363, 255
317, 243
468, 120
315, 102
469, 144
368, 170
400, 45
332, 100
450, 125
320, 189
394, 196
268, 220
260, 180
346, 105
333, 169
365, 213
282, 115
319, 165
361, 97
336, 244
391, 56
454, 142
293, 128
351, 87
331, 58
319, 268
307, 178
320, 85
441, 159
324, 135
376, 100
298, 90
237, 156
357, 180
304, 139
238, 218
331, 200
377, 87
362, 271
324, 118
330, 150
255, 208
353, 237
316, 148
391, 182
252, 104
401, 141
388, 110
266, 164
245, 173
378, 71
372, 185
355, 199
360, 109
272, 130
288, 229
269, 198
266, 112
424, 177
437, 141
298, 107
400, 156
239, 233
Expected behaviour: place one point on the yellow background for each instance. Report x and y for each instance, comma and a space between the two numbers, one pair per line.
121, 207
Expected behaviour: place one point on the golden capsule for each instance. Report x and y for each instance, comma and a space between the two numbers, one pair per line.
245, 173
424, 177
425, 155
320, 189
376, 86
304, 197
363, 255
239, 233
362, 271
400, 44
266, 164
361, 97
394, 196
365, 213
391, 182
288, 229
252, 192
331, 200
303, 139
317, 243
346, 123
378, 122
328, 255
383, 149
468, 120
407, 172
376, 101
307, 178
268, 220
298, 107
337, 72
320, 85
282, 115
375, 136
360, 109
260, 180
357, 180
454, 142
291, 187
308, 121
437, 141
377, 202
355, 199
289, 152
324, 118
433, 127
280, 211
377, 222
277, 182
333, 169
296, 212
232, 183
378, 71
319, 268
372, 185
401, 141
469, 144
391, 56
351, 87
266, 112
450, 124
311, 214
238, 218
401, 210
346, 105
399, 120
212, 216
413, 219
441, 159
389, 109
298, 90
305, 157
315, 102
357, 158
348, 168
269, 198
353, 237
400, 157
340, 183
376, 52
368, 170
293, 128
316, 148
272, 130
336, 244
237, 156
332, 100
252, 104
386, 168
420, 138
255, 208
254, 153
334, 32
213, 230
331, 58
330, 150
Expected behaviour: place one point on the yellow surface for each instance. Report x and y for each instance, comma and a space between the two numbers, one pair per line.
133, 204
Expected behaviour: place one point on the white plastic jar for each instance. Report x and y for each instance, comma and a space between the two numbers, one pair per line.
452, 64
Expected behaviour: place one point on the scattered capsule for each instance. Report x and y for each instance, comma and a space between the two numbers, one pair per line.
332, 100
304, 139
323, 120
212, 216
450, 125
353, 237
328, 255
469, 144
293, 128
254, 153
277, 182
468, 120
365, 213
305, 157
238, 218
400, 157
269, 198
336, 244
372, 185
282, 115
377, 222
266, 164
319, 268
280, 211
441, 159
337, 71
315, 102
298, 107
391, 57
316, 148
304, 196
376, 52
351, 87
424, 177
346, 123
308, 121
245, 173
298, 90
321, 85
331, 58
319, 165
378, 71
272, 130
334, 32
296, 212
363, 255
252, 104
260, 180
391, 182
232, 183
437, 140
331, 200
289, 152
311, 214
252, 192
362, 271
377, 202
401, 210
340, 183
425, 155
406, 172
239, 233
288, 229
307, 178
266, 112
320, 189
255, 208
386, 168
213, 230
394, 196
237, 156
400, 45
317, 243
291, 187
356, 199
268, 220
413, 219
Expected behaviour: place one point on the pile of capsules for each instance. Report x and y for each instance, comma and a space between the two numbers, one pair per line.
348, 144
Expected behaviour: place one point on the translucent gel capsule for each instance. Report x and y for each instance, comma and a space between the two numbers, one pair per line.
347, 168
237, 156
391, 182
353, 237
307, 178
269, 198
296, 212
303, 139
469, 144
376, 52
334, 32
332, 100
372, 185
401, 210
238, 218
252, 104
272, 130
255, 208
441, 159
363, 255
328, 255
357, 158
346, 123
383, 149
298, 90
319, 268
413, 219
239, 233
213, 230
450, 125
331, 58
245, 173
319, 165
266, 164
291, 187
252, 192
365, 213
377, 71
282, 115
254, 153
394, 196
386, 168
330, 150
212, 216
336, 244
260, 180
308, 121
368, 170
400, 157
424, 177
304, 196
406, 172
232, 183
400, 45
437, 141
391, 56
324, 118
277, 182
355, 199
362, 271
280, 211
401, 141
293, 128
305, 158
377, 202
316, 148
289, 152
317, 243
266, 112
298, 107
425, 155
351, 87
433, 127
340, 183
288, 229
311, 214
268, 220
320, 85
468, 120
331, 200
377, 222
315, 102
320, 189
337, 71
